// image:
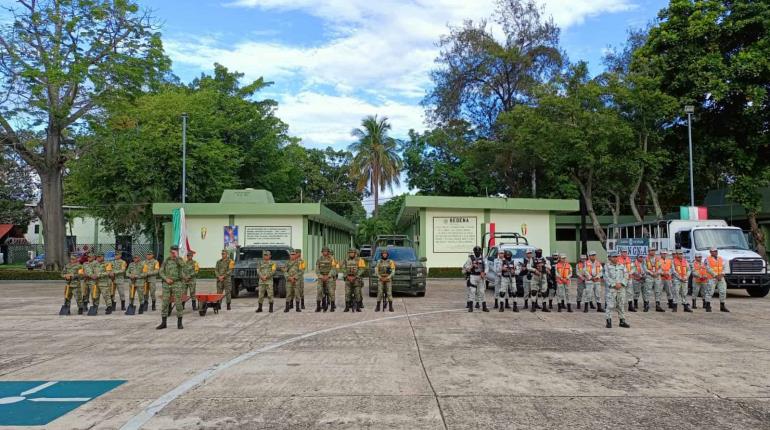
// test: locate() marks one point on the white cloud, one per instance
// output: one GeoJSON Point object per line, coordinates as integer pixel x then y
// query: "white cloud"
{"type": "Point", "coordinates": [384, 49]}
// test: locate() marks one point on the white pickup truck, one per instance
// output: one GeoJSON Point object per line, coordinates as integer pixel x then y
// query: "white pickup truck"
{"type": "Point", "coordinates": [744, 268]}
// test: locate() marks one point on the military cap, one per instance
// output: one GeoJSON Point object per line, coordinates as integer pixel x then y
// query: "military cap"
{"type": "Point", "coordinates": [613, 254]}
{"type": "Point", "coordinates": [583, 256]}
{"type": "Point", "coordinates": [712, 249]}
{"type": "Point", "coordinates": [698, 256]}
{"type": "Point", "coordinates": [592, 253]}
{"type": "Point", "coordinates": [149, 253]}
{"type": "Point", "coordinates": [174, 247]}
{"type": "Point", "coordinates": [267, 253]}
{"type": "Point", "coordinates": [352, 250]}
{"type": "Point", "coordinates": [529, 251]}
{"type": "Point", "coordinates": [562, 255]}
{"type": "Point", "coordinates": [664, 251]}
{"type": "Point", "coordinates": [678, 251]}
{"type": "Point", "coordinates": [298, 251]}
{"type": "Point", "coordinates": [224, 251]}
{"type": "Point", "coordinates": [384, 251]}
{"type": "Point", "coordinates": [191, 252]}
{"type": "Point", "coordinates": [325, 248]}
{"type": "Point", "coordinates": [136, 256]}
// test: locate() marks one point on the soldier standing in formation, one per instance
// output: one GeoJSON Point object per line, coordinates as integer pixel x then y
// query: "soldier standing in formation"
{"type": "Point", "coordinates": [552, 287]}
{"type": "Point", "coordinates": [384, 270]}
{"type": "Point", "coordinates": [136, 277]}
{"type": "Point", "coordinates": [355, 268]}
{"type": "Point", "coordinates": [666, 273]}
{"type": "Point", "coordinates": [476, 268]}
{"type": "Point", "coordinates": [301, 292]}
{"type": "Point", "coordinates": [700, 279]}
{"type": "Point", "coordinates": [625, 260]}
{"type": "Point", "coordinates": [324, 268]}
{"type": "Point", "coordinates": [526, 277]}
{"type": "Point", "coordinates": [266, 271]}
{"type": "Point", "coordinates": [580, 268]}
{"type": "Point", "coordinates": [563, 280]}
{"type": "Point", "coordinates": [223, 270]}
{"type": "Point", "coordinates": [651, 268]}
{"type": "Point", "coordinates": [117, 276]}
{"type": "Point", "coordinates": [87, 281]}
{"type": "Point", "coordinates": [637, 279]}
{"type": "Point", "coordinates": [716, 270]}
{"type": "Point", "coordinates": [72, 273]}
{"type": "Point", "coordinates": [294, 272]}
{"type": "Point", "coordinates": [616, 278]}
{"type": "Point", "coordinates": [538, 286]}
{"type": "Point", "coordinates": [151, 268]}
{"type": "Point", "coordinates": [681, 276]}
{"type": "Point", "coordinates": [506, 274]}
{"type": "Point", "coordinates": [192, 274]}
{"type": "Point", "coordinates": [97, 272]}
{"type": "Point", "coordinates": [593, 278]}
{"type": "Point", "coordinates": [496, 269]}
{"type": "Point", "coordinates": [173, 275]}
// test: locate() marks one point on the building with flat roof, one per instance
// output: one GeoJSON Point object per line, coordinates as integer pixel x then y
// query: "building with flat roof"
{"type": "Point", "coordinates": [252, 217]}
{"type": "Point", "coordinates": [445, 229]}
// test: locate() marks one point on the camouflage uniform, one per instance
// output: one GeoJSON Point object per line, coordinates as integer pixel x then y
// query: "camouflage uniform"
{"type": "Point", "coordinates": [681, 276]}
{"type": "Point", "coordinates": [355, 268]}
{"type": "Point", "coordinates": [581, 280]}
{"type": "Point", "coordinates": [715, 266]}
{"type": "Point", "coordinates": [666, 274]}
{"type": "Point", "coordinates": [224, 267]}
{"type": "Point", "coordinates": [118, 268]}
{"type": "Point", "coordinates": [625, 260]}
{"type": "Point", "coordinates": [384, 270]}
{"type": "Point", "coordinates": [563, 271]}
{"type": "Point", "coordinates": [651, 280]}
{"type": "Point", "coordinates": [173, 268]}
{"type": "Point", "coordinates": [300, 292]}
{"type": "Point", "coordinates": [324, 266]}
{"type": "Point", "coordinates": [151, 268]}
{"type": "Point", "coordinates": [700, 281]}
{"type": "Point", "coordinates": [192, 269]}
{"type": "Point", "coordinates": [476, 267]}
{"type": "Point", "coordinates": [615, 273]}
{"type": "Point", "coordinates": [526, 278]}
{"type": "Point", "coordinates": [538, 285]}
{"type": "Point", "coordinates": [294, 273]}
{"type": "Point", "coordinates": [72, 273]}
{"type": "Point", "coordinates": [100, 285]}
{"type": "Point", "coordinates": [505, 269]}
{"type": "Point", "coordinates": [637, 280]}
{"type": "Point", "coordinates": [593, 274]}
{"type": "Point", "coordinates": [266, 270]}
{"type": "Point", "coordinates": [136, 275]}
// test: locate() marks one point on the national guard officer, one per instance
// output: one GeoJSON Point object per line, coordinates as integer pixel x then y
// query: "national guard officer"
{"type": "Point", "coordinates": [98, 274]}
{"type": "Point", "coordinates": [526, 277]}
{"type": "Point", "coordinates": [553, 260]}
{"type": "Point", "coordinates": [580, 269]}
{"type": "Point", "coordinates": [266, 271]}
{"type": "Point", "coordinates": [223, 270]}
{"type": "Point", "coordinates": [384, 270]}
{"type": "Point", "coordinates": [117, 276]}
{"type": "Point", "coordinates": [593, 276]}
{"type": "Point", "coordinates": [355, 268]}
{"type": "Point", "coordinates": [563, 281]}
{"type": "Point", "coordinates": [616, 278]}
{"type": "Point", "coordinates": [324, 268]}
{"type": "Point", "coordinates": [136, 276]}
{"type": "Point", "coordinates": [637, 279]}
{"type": "Point", "coordinates": [71, 274]}
{"type": "Point", "coordinates": [538, 286]}
{"type": "Point", "coordinates": [476, 267]}
{"type": "Point", "coordinates": [173, 275]}
{"type": "Point", "coordinates": [666, 273]}
{"type": "Point", "coordinates": [625, 260]}
{"type": "Point", "coordinates": [300, 293]}
{"type": "Point", "coordinates": [151, 269]}
{"type": "Point", "coordinates": [681, 277]}
{"type": "Point", "coordinates": [700, 281]}
{"type": "Point", "coordinates": [192, 270]}
{"type": "Point", "coordinates": [506, 273]}
{"type": "Point", "coordinates": [651, 279]}
{"type": "Point", "coordinates": [716, 269]}
{"type": "Point", "coordinates": [293, 274]}
{"type": "Point", "coordinates": [496, 268]}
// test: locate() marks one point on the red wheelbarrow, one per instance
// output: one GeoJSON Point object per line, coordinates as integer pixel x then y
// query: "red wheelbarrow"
{"type": "Point", "coordinates": [205, 301]}
{"type": "Point", "coordinates": [171, 302]}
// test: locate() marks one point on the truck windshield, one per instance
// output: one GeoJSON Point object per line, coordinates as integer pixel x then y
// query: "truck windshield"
{"type": "Point", "coordinates": [721, 238]}
{"type": "Point", "coordinates": [256, 254]}
{"type": "Point", "coordinates": [399, 254]}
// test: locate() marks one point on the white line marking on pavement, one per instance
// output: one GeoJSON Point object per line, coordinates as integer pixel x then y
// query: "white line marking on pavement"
{"type": "Point", "coordinates": [38, 388]}
{"type": "Point", "coordinates": [150, 411]}
{"type": "Point", "coordinates": [60, 399]}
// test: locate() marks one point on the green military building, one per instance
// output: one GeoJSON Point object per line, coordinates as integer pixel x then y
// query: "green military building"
{"type": "Point", "coordinates": [252, 217]}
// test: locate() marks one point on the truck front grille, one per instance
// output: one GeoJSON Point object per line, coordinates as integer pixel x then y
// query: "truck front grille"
{"type": "Point", "coordinates": [746, 265]}
{"type": "Point", "coordinates": [245, 273]}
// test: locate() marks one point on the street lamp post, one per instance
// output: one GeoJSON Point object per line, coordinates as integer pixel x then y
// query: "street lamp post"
{"type": "Point", "coordinates": [184, 157]}
{"type": "Point", "coordinates": [689, 110]}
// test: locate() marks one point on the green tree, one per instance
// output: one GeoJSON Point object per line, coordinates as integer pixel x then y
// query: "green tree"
{"type": "Point", "coordinates": [715, 55]}
{"type": "Point", "coordinates": [59, 60]}
{"type": "Point", "coordinates": [376, 162]}
{"type": "Point", "coordinates": [17, 189]}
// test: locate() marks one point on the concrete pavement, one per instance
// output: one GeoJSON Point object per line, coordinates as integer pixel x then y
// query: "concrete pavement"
{"type": "Point", "coordinates": [428, 365]}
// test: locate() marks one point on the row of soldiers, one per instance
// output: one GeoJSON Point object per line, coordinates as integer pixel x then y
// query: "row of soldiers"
{"type": "Point", "coordinates": [625, 281]}
{"type": "Point", "coordinates": [98, 280]}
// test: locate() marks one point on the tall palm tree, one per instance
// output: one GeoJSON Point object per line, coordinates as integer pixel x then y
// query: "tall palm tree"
{"type": "Point", "coordinates": [376, 162]}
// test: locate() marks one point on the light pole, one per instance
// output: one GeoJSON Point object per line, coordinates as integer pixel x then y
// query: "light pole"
{"type": "Point", "coordinates": [689, 110]}
{"type": "Point", "coordinates": [184, 157]}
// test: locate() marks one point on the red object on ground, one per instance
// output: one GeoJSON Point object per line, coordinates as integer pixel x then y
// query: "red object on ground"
{"type": "Point", "coordinates": [185, 298]}
{"type": "Point", "coordinates": [209, 298]}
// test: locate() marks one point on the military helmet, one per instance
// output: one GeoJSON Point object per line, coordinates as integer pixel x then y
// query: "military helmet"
{"type": "Point", "coordinates": [508, 253]}
{"type": "Point", "coordinates": [174, 247]}
{"type": "Point", "coordinates": [267, 253]}
{"type": "Point", "coordinates": [592, 253]}
{"type": "Point", "coordinates": [583, 256]}
{"type": "Point", "coordinates": [325, 248]}
{"type": "Point", "coordinates": [476, 248]}
{"type": "Point", "coordinates": [352, 250]}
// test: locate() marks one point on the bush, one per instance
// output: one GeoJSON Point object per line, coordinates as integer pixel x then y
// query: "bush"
{"type": "Point", "coordinates": [445, 272]}
{"type": "Point", "coordinates": [28, 275]}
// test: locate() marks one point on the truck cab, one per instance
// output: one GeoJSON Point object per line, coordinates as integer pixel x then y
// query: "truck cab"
{"type": "Point", "coordinates": [411, 273]}
{"type": "Point", "coordinates": [744, 268]}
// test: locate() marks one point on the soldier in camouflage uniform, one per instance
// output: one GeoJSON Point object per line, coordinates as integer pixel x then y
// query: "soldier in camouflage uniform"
{"type": "Point", "coordinates": [637, 279]}
{"type": "Point", "coordinates": [593, 275]}
{"type": "Point", "coordinates": [700, 280]}
{"type": "Point", "coordinates": [87, 283]}
{"type": "Point", "coordinates": [715, 266]}
{"type": "Point", "coordinates": [72, 273]}
{"type": "Point", "coordinates": [616, 279]}
{"type": "Point", "coordinates": [384, 270]}
{"type": "Point", "coordinates": [651, 280]}
{"type": "Point", "coordinates": [192, 274]}
{"type": "Point", "coordinates": [666, 272]}
{"type": "Point", "coordinates": [681, 277]}
{"type": "Point", "coordinates": [97, 272]}
{"type": "Point", "coordinates": [223, 270]}
{"type": "Point", "coordinates": [625, 260]}
{"type": "Point", "coordinates": [135, 274]}
{"type": "Point", "coordinates": [173, 274]}
{"type": "Point", "coordinates": [538, 285]}
{"type": "Point", "coordinates": [266, 271]}
{"type": "Point", "coordinates": [505, 269]}
{"type": "Point", "coordinates": [581, 280]}
{"type": "Point", "coordinates": [117, 276]}
{"type": "Point", "coordinates": [324, 268]}
{"type": "Point", "coordinates": [563, 271]}
{"type": "Point", "coordinates": [151, 268]}
{"type": "Point", "coordinates": [355, 268]}
{"type": "Point", "coordinates": [299, 292]}
{"type": "Point", "coordinates": [294, 272]}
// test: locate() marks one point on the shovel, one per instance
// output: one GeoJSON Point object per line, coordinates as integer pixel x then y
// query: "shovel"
{"type": "Point", "coordinates": [95, 306]}
{"type": "Point", "coordinates": [131, 310]}
{"type": "Point", "coordinates": [65, 308]}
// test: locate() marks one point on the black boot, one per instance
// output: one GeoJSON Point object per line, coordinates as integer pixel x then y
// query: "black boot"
{"type": "Point", "coordinates": [93, 310]}
{"type": "Point", "coordinates": [550, 303]}
{"type": "Point", "coordinates": [259, 308]}
{"type": "Point", "coordinates": [496, 304]}
{"type": "Point", "coordinates": [347, 306]}
{"type": "Point", "coordinates": [354, 308]}
{"type": "Point", "coordinates": [658, 308]}
{"type": "Point", "coordinates": [302, 302]}
{"type": "Point", "coordinates": [80, 310]}
{"type": "Point", "coordinates": [545, 308]}
{"type": "Point", "coordinates": [477, 305]}
{"type": "Point", "coordinates": [624, 324]}
{"type": "Point", "coordinates": [646, 306]}
{"type": "Point", "coordinates": [569, 307]}
{"type": "Point", "coordinates": [286, 309]}
{"type": "Point", "coordinates": [108, 311]}
{"type": "Point", "coordinates": [673, 307]}
{"type": "Point", "coordinates": [558, 306]}
{"type": "Point", "coordinates": [536, 305]}
{"type": "Point", "coordinates": [291, 304]}
{"type": "Point", "coordinates": [533, 308]}
{"type": "Point", "coordinates": [179, 325]}
{"type": "Point", "coordinates": [270, 309]}
{"type": "Point", "coordinates": [194, 305]}
{"type": "Point", "coordinates": [228, 307]}
{"type": "Point", "coordinates": [122, 305]}
{"type": "Point", "coordinates": [515, 307]}
{"type": "Point", "coordinates": [631, 307]}
{"type": "Point", "coordinates": [360, 305]}
{"type": "Point", "coordinates": [484, 307]}
{"type": "Point", "coordinates": [114, 304]}
{"type": "Point", "coordinates": [334, 306]}
{"type": "Point", "coordinates": [599, 307]}
{"type": "Point", "coordinates": [153, 305]}
{"type": "Point", "coordinates": [636, 305]}
{"type": "Point", "coordinates": [162, 324]}
{"type": "Point", "coordinates": [526, 304]}
{"type": "Point", "coordinates": [507, 305]}
{"type": "Point", "coordinates": [723, 308]}
{"type": "Point", "coordinates": [687, 307]}
{"type": "Point", "coordinates": [578, 304]}
{"type": "Point", "coordinates": [141, 308]}
{"type": "Point", "coordinates": [502, 307]}
{"type": "Point", "coordinates": [592, 305]}
{"type": "Point", "coordinates": [318, 306]}
{"type": "Point", "coordinates": [390, 307]}
{"type": "Point", "coordinates": [707, 306]}
{"type": "Point", "coordinates": [377, 308]}
{"type": "Point", "coordinates": [585, 308]}
{"type": "Point", "coordinates": [609, 323]}
{"type": "Point", "coordinates": [297, 306]}
{"type": "Point", "coordinates": [694, 304]}
{"type": "Point", "coordinates": [671, 303]}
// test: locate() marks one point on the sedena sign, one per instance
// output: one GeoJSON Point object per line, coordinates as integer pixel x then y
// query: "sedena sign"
{"type": "Point", "coordinates": [455, 234]}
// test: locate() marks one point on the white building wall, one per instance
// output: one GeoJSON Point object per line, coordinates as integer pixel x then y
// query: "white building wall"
{"type": "Point", "coordinates": [448, 259]}
{"type": "Point", "coordinates": [82, 228]}
{"type": "Point", "coordinates": [538, 229]}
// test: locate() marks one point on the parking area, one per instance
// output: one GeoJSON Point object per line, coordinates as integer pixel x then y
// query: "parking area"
{"type": "Point", "coordinates": [428, 365]}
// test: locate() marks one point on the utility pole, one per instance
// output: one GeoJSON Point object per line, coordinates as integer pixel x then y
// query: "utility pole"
{"type": "Point", "coordinates": [184, 157]}
{"type": "Point", "coordinates": [689, 110]}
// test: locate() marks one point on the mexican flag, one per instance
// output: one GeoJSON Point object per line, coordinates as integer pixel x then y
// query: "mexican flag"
{"type": "Point", "coordinates": [693, 213]}
{"type": "Point", "coordinates": [179, 234]}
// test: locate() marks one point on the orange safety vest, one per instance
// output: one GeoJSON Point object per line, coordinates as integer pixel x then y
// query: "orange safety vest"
{"type": "Point", "coordinates": [563, 271]}
{"type": "Point", "coordinates": [699, 272]}
{"type": "Point", "coordinates": [638, 266]}
{"type": "Point", "coordinates": [665, 266]}
{"type": "Point", "coordinates": [626, 262]}
{"type": "Point", "coordinates": [652, 265]}
{"type": "Point", "coordinates": [593, 268]}
{"type": "Point", "coordinates": [717, 265]}
{"type": "Point", "coordinates": [680, 265]}
{"type": "Point", "coordinates": [579, 268]}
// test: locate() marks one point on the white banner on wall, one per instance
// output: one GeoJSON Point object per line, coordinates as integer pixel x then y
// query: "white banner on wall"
{"type": "Point", "coordinates": [455, 234]}
{"type": "Point", "coordinates": [258, 235]}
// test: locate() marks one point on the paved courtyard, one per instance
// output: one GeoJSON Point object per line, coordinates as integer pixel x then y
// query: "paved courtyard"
{"type": "Point", "coordinates": [428, 365]}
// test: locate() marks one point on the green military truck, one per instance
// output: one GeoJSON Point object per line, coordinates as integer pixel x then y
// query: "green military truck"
{"type": "Point", "coordinates": [411, 273]}
{"type": "Point", "coordinates": [245, 272]}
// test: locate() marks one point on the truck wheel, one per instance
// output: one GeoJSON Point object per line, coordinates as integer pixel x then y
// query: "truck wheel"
{"type": "Point", "coordinates": [236, 289]}
{"type": "Point", "coordinates": [421, 294]}
{"type": "Point", "coordinates": [758, 291]}
{"type": "Point", "coordinates": [279, 289]}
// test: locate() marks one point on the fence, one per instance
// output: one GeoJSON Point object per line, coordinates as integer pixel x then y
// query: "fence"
{"type": "Point", "coordinates": [19, 254]}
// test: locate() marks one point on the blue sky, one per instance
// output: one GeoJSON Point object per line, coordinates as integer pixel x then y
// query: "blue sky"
{"type": "Point", "coordinates": [335, 61]}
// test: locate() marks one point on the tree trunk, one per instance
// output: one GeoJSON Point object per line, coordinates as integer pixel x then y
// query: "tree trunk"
{"type": "Point", "coordinates": [655, 201]}
{"type": "Point", "coordinates": [638, 184]}
{"type": "Point", "coordinates": [586, 191]}
{"type": "Point", "coordinates": [757, 234]}
{"type": "Point", "coordinates": [376, 189]}
{"type": "Point", "coordinates": [51, 215]}
{"type": "Point", "coordinates": [534, 183]}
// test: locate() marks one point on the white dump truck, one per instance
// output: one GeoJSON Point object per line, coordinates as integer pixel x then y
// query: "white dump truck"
{"type": "Point", "coordinates": [744, 268]}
